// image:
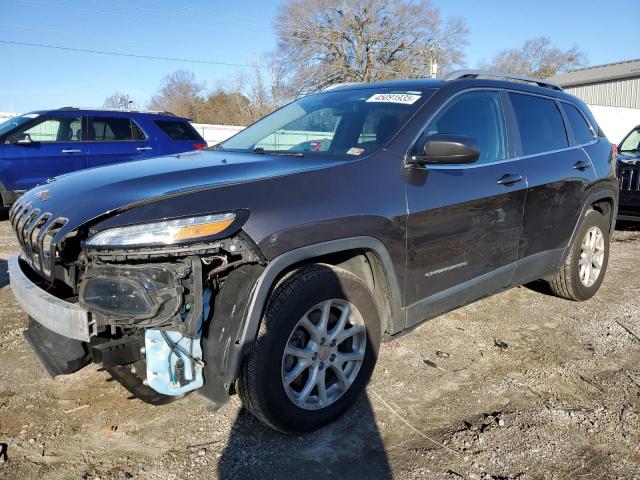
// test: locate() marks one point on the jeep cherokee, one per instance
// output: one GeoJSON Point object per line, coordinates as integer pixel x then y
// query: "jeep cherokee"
{"type": "Point", "coordinates": [274, 264]}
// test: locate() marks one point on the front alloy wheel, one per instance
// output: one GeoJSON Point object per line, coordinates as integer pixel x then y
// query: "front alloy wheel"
{"type": "Point", "coordinates": [315, 350]}
{"type": "Point", "coordinates": [324, 354]}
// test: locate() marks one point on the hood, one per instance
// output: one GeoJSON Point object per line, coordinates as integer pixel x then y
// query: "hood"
{"type": "Point", "coordinates": [629, 157]}
{"type": "Point", "coordinates": [89, 194]}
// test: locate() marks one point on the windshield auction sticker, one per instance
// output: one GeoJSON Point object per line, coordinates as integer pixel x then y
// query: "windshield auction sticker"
{"type": "Point", "coordinates": [404, 98]}
{"type": "Point", "coordinates": [355, 151]}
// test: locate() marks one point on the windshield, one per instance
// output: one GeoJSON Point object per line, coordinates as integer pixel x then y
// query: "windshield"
{"type": "Point", "coordinates": [14, 122]}
{"type": "Point", "coordinates": [344, 123]}
{"type": "Point", "coordinates": [632, 142]}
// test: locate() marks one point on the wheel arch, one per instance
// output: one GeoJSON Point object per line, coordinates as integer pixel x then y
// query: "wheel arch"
{"type": "Point", "coordinates": [605, 202]}
{"type": "Point", "coordinates": [366, 257]}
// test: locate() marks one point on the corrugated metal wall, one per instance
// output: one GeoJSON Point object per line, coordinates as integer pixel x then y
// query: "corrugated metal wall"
{"type": "Point", "coordinates": [619, 93]}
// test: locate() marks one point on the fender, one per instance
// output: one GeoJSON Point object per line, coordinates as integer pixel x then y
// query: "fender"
{"type": "Point", "coordinates": [238, 309]}
{"type": "Point", "coordinates": [591, 199]}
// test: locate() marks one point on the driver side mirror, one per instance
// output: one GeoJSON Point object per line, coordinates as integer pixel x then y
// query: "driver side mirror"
{"type": "Point", "coordinates": [21, 139]}
{"type": "Point", "coordinates": [445, 148]}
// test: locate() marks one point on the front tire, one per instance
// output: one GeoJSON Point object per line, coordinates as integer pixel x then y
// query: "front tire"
{"type": "Point", "coordinates": [583, 271]}
{"type": "Point", "coordinates": [315, 351]}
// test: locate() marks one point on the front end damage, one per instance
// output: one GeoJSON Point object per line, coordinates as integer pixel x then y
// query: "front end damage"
{"type": "Point", "coordinates": [162, 320]}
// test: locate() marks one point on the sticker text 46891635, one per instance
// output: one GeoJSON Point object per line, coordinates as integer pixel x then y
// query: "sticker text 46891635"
{"type": "Point", "coordinates": [404, 98]}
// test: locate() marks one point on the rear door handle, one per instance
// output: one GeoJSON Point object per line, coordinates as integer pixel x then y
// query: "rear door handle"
{"type": "Point", "coordinates": [509, 179]}
{"type": "Point", "coordinates": [71, 150]}
{"type": "Point", "coordinates": [144, 149]}
{"type": "Point", "coordinates": [581, 165]}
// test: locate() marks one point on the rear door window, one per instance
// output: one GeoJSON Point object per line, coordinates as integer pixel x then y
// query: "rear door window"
{"type": "Point", "coordinates": [56, 129]}
{"type": "Point", "coordinates": [540, 123]}
{"type": "Point", "coordinates": [582, 131]}
{"type": "Point", "coordinates": [114, 129]}
{"type": "Point", "coordinates": [178, 130]}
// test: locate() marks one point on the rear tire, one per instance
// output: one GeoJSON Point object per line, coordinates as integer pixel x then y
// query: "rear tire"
{"type": "Point", "coordinates": [583, 271]}
{"type": "Point", "coordinates": [335, 366]}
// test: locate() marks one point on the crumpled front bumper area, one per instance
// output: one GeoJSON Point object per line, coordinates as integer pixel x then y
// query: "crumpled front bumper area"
{"type": "Point", "coordinates": [58, 330]}
{"type": "Point", "coordinates": [65, 318]}
{"type": "Point", "coordinates": [59, 355]}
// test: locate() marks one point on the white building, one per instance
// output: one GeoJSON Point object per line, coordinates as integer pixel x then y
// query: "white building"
{"type": "Point", "coordinates": [612, 91]}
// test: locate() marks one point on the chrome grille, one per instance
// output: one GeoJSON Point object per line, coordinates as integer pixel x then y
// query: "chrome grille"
{"type": "Point", "coordinates": [36, 232]}
{"type": "Point", "coordinates": [629, 177]}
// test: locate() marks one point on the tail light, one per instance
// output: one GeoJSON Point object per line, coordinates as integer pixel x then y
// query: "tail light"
{"type": "Point", "coordinates": [199, 146]}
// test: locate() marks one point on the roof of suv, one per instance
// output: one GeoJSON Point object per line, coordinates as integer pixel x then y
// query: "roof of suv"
{"type": "Point", "coordinates": [468, 78]}
{"type": "Point", "coordinates": [111, 111]}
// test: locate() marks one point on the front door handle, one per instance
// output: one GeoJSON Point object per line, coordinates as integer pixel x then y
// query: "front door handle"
{"type": "Point", "coordinates": [581, 165]}
{"type": "Point", "coordinates": [509, 179]}
{"type": "Point", "coordinates": [144, 149]}
{"type": "Point", "coordinates": [71, 150]}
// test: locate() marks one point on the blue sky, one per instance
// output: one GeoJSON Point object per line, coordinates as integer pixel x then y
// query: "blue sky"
{"type": "Point", "coordinates": [235, 32]}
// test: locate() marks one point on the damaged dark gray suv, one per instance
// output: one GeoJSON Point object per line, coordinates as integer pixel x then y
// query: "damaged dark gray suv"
{"type": "Point", "coordinates": [274, 264]}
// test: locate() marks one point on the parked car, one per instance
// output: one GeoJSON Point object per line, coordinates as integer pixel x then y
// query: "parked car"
{"type": "Point", "coordinates": [40, 145]}
{"type": "Point", "coordinates": [629, 176]}
{"type": "Point", "coordinates": [276, 273]}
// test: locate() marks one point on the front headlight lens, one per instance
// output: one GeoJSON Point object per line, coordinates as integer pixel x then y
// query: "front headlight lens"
{"type": "Point", "coordinates": [167, 232]}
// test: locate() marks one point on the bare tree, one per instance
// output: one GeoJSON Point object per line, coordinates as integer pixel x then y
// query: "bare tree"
{"type": "Point", "coordinates": [117, 100]}
{"type": "Point", "coordinates": [179, 93]}
{"type": "Point", "coordinates": [225, 108]}
{"type": "Point", "coordinates": [248, 96]}
{"type": "Point", "coordinates": [329, 41]}
{"type": "Point", "coordinates": [537, 57]}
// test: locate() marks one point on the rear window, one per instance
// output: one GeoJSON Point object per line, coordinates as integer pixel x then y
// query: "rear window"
{"type": "Point", "coordinates": [540, 123]}
{"type": "Point", "coordinates": [581, 129]}
{"type": "Point", "coordinates": [178, 130]}
{"type": "Point", "coordinates": [114, 129]}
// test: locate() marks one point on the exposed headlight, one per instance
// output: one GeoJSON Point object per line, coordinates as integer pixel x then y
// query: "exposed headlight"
{"type": "Point", "coordinates": [167, 232]}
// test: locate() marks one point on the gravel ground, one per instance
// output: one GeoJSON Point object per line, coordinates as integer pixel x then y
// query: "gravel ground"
{"type": "Point", "coordinates": [521, 385]}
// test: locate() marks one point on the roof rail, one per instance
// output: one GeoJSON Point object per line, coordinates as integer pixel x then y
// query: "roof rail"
{"type": "Point", "coordinates": [106, 109]}
{"type": "Point", "coordinates": [459, 74]}
{"type": "Point", "coordinates": [342, 84]}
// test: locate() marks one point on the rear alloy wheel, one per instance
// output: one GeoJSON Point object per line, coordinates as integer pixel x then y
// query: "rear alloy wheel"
{"type": "Point", "coordinates": [583, 271]}
{"type": "Point", "coordinates": [315, 351]}
{"type": "Point", "coordinates": [591, 256]}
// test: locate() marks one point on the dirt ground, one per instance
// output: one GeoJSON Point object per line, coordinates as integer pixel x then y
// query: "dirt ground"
{"type": "Point", "coordinates": [521, 385]}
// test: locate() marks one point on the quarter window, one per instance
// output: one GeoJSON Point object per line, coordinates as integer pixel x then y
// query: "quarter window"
{"type": "Point", "coordinates": [581, 129]}
{"type": "Point", "coordinates": [114, 129]}
{"type": "Point", "coordinates": [540, 124]}
{"type": "Point", "coordinates": [178, 130]}
{"type": "Point", "coordinates": [62, 129]}
{"type": "Point", "coordinates": [477, 115]}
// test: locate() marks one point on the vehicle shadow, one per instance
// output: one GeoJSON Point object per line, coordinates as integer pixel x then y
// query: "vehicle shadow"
{"type": "Point", "coordinates": [4, 273]}
{"type": "Point", "coordinates": [540, 286]}
{"type": "Point", "coordinates": [624, 226]}
{"type": "Point", "coordinates": [349, 448]}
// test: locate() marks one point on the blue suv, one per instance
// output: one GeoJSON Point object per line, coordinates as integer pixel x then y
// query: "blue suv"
{"type": "Point", "coordinates": [43, 144]}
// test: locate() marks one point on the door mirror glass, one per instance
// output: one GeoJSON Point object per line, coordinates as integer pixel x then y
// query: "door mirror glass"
{"type": "Point", "coordinates": [447, 148]}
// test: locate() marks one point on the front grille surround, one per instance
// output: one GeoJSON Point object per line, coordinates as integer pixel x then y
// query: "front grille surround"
{"type": "Point", "coordinates": [629, 177]}
{"type": "Point", "coordinates": [37, 233]}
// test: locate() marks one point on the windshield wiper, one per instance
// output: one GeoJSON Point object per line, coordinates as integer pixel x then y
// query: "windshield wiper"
{"type": "Point", "coordinates": [284, 153]}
